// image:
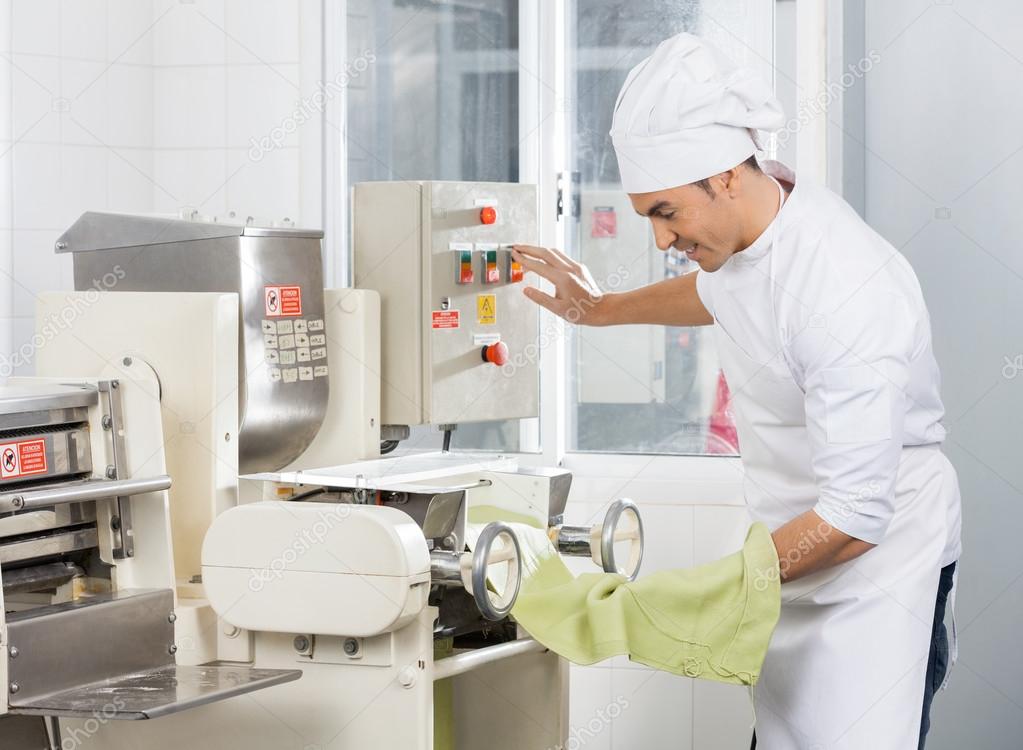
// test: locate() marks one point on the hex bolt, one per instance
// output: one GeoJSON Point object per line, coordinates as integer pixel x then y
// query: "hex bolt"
{"type": "Point", "coordinates": [114, 384]}
{"type": "Point", "coordinates": [172, 617]}
{"type": "Point", "coordinates": [115, 523]}
{"type": "Point", "coordinates": [111, 472]}
{"type": "Point", "coordinates": [301, 643]}
{"type": "Point", "coordinates": [107, 422]}
{"type": "Point", "coordinates": [351, 646]}
{"type": "Point", "coordinates": [61, 245]}
{"type": "Point", "coordinates": [15, 687]}
{"type": "Point", "coordinates": [17, 501]}
{"type": "Point", "coordinates": [13, 651]}
{"type": "Point", "coordinates": [172, 649]}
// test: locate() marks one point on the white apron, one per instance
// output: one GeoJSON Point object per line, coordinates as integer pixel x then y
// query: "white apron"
{"type": "Point", "coordinates": [845, 667]}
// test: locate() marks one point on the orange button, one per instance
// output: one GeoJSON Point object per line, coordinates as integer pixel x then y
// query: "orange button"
{"type": "Point", "coordinates": [496, 354]}
{"type": "Point", "coordinates": [488, 215]}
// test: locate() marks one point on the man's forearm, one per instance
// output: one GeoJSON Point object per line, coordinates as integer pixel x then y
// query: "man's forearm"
{"type": "Point", "coordinates": [807, 544]}
{"type": "Point", "coordinates": [672, 302]}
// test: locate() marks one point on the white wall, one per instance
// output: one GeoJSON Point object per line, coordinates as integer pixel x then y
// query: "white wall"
{"type": "Point", "coordinates": [76, 136]}
{"type": "Point", "coordinates": [944, 155]}
{"type": "Point", "coordinates": [143, 106]}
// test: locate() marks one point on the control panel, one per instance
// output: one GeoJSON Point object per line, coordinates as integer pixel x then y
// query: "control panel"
{"type": "Point", "coordinates": [459, 338]}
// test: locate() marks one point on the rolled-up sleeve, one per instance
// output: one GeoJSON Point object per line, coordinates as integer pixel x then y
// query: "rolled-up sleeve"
{"type": "Point", "coordinates": [856, 365]}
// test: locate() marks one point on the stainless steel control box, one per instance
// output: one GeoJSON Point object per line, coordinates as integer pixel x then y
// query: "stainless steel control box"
{"type": "Point", "coordinates": [439, 255]}
{"type": "Point", "coordinates": [277, 274]}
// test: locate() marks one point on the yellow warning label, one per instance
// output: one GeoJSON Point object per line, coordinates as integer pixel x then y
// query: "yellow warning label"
{"type": "Point", "coordinates": [486, 309]}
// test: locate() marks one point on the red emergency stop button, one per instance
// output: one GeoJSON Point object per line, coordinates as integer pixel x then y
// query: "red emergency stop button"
{"type": "Point", "coordinates": [496, 354]}
{"type": "Point", "coordinates": [488, 215]}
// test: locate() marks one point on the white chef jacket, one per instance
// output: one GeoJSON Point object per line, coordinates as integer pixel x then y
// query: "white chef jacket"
{"type": "Point", "coordinates": [824, 299]}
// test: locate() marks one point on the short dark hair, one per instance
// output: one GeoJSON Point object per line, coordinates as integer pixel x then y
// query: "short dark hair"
{"type": "Point", "coordinates": [750, 163]}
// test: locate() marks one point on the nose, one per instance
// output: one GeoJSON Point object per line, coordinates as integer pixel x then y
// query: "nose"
{"type": "Point", "coordinates": [663, 237]}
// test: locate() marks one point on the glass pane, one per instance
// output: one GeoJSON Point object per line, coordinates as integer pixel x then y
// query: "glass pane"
{"type": "Point", "coordinates": [648, 389]}
{"type": "Point", "coordinates": [439, 102]}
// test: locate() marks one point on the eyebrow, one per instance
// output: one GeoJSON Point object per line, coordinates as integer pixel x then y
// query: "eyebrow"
{"type": "Point", "coordinates": [654, 208]}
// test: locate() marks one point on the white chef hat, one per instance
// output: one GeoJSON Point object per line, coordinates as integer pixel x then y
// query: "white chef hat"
{"type": "Point", "coordinates": [686, 113]}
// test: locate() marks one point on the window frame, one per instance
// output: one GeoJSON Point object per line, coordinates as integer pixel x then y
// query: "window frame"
{"type": "Point", "coordinates": [544, 108]}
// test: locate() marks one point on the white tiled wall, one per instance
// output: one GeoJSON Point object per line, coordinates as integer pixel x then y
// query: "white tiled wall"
{"type": "Point", "coordinates": [142, 106]}
{"type": "Point", "coordinates": [227, 74]}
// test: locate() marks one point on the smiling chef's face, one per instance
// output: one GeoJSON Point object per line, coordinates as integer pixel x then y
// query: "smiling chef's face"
{"type": "Point", "coordinates": [703, 222]}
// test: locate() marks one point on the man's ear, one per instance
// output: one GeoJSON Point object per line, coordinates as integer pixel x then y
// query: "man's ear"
{"type": "Point", "coordinates": [730, 182]}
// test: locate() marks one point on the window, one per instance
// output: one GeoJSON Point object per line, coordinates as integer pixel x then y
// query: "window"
{"type": "Point", "coordinates": [439, 102]}
{"type": "Point", "coordinates": [644, 389]}
{"type": "Point", "coordinates": [449, 97]}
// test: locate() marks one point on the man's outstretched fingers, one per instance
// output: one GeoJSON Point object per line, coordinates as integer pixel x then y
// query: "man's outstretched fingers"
{"type": "Point", "coordinates": [542, 299]}
{"type": "Point", "coordinates": [550, 257]}
{"type": "Point", "coordinates": [546, 270]}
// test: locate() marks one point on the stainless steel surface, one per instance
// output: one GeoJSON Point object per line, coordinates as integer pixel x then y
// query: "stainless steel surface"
{"type": "Point", "coordinates": [66, 646]}
{"type": "Point", "coordinates": [124, 536]}
{"type": "Point", "coordinates": [470, 660]}
{"type": "Point", "coordinates": [38, 577]}
{"type": "Point", "coordinates": [47, 519]}
{"type": "Point", "coordinates": [100, 231]}
{"type": "Point", "coordinates": [49, 545]}
{"type": "Point", "coordinates": [278, 416]}
{"type": "Point", "coordinates": [446, 567]}
{"type": "Point", "coordinates": [16, 400]}
{"type": "Point", "coordinates": [574, 541]}
{"type": "Point", "coordinates": [157, 692]}
{"type": "Point", "coordinates": [609, 535]}
{"type": "Point", "coordinates": [481, 559]}
{"type": "Point", "coordinates": [402, 241]}
{"type": "Point", "coordinates": [87, 489]}
{"type": "Point", "coordinates": [67, 452]}
{"type": "Point", "coordinates": [559, 484]}
{"type": "Point", "coordinates": [409, 473]}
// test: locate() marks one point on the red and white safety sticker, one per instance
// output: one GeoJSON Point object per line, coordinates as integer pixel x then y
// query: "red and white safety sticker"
{"type": "Point", "coordinates": [282, 300]}
{"type": "Point", "coordinates": [445, 318]}
{"type": "Point", "coordinates": [23, 459]}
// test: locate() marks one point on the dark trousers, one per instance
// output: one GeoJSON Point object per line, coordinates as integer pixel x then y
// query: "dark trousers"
{"type": "Point", "coordinates": [937, 660]}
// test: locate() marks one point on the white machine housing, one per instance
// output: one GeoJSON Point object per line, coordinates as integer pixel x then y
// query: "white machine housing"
{"type": "Point", "coordinates": [338, 554]}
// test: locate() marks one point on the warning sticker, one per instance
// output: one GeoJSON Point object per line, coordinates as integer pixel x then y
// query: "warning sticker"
{"type": "Point", "coordinates": [486, 309]}
{"type": "Point", "coordinates": [23, 459]}
{"type": "Point", "coordinates": [282, 300]}
{"type": "Point", "coordinates": [445, 318]}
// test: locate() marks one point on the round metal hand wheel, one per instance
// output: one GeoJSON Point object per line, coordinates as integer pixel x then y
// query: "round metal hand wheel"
{"type": "Point", "coordinates": [622, 523]}
{"type": "Point", "coordinates": [495, 605]}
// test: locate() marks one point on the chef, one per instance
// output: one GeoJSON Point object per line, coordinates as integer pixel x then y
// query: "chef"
{"type": "Point", "coordinates": [824, 340]}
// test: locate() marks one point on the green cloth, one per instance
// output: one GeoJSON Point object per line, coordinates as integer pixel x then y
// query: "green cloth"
{"type": "Point", "coordinates": [443, 701]}
{"type": "Point", "coordinates": [713, 622]}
